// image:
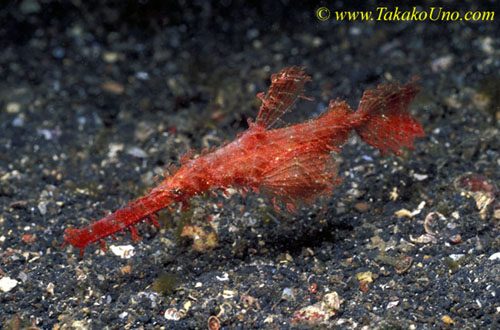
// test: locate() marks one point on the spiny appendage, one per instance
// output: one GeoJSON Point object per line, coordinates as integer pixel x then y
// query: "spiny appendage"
{"type": "Point", "coordinates": [286, 86]}
{"type": "Point", "coordinates": [301, 177]}
{"type": "Point", "coordinates": [143, 209]}
{"type": "Point", "coordinates": [387, 123]}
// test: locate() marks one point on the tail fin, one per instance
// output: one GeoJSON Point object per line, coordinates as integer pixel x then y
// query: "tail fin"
{"type": "Point", "coordinates": [387, 124]}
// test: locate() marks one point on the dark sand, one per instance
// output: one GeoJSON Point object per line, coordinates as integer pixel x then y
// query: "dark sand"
{"type": "Point", "coordinates": [98, 99]}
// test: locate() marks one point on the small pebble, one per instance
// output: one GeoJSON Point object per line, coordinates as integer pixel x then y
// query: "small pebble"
{"type": "Point", "coordinates": [442, 63]}
{"type": "Point", "coordinates": [113, 87]}
{"type": "Point", "coordinates": [287, 294]}
{"type": "Point", "coordinates": [362, 207]}
{"type": "Point", "coordinates": [13, 107]}
{"type": "Point", "coordinates": [18, 121]}
{"type": "Point", "coordinates": [448, 320]}
{"type": "Point", "coordinates": [29, 7]}
{"type": "Point", "coordinates": [110, 57]}
{"type": "Point", "coordinates": [42, 207]}
{"type": "Point", "coordinates": [456, 257]}
{"type": "Point", "coordinates": [141, 75]}
{"type": "Point", "coordinates": [456, 239]}
{"type": "Point", "coordinates": [137, 152]}
{"type": "Point", "coordinates": [58, 52]}
{"type": "Point", "coordinates": [23, 277]}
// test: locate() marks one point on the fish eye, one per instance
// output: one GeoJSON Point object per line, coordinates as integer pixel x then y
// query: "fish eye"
{"type": "Point", "coordinates": [177, 191]}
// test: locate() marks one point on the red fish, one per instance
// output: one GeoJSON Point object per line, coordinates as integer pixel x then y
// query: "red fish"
{"type": "Point", "coordinates": [292, 165]}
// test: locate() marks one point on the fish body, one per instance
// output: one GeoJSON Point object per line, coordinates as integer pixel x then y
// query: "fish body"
{"type": "Point", "coordinates": [292, 164]}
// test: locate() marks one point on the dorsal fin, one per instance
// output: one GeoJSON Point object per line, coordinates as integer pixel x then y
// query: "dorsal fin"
{"type": "Point", "coordinates": [286, 86]}
{"type": "Point", "coordinates": [187, 157]}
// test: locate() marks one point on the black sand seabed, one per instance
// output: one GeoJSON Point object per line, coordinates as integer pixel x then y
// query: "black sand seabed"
{"type": "Point", "coordinates": [98, 99]}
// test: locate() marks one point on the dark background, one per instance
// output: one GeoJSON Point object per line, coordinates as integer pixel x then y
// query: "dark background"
{"type": "Point", "coordinates": [98, 98]}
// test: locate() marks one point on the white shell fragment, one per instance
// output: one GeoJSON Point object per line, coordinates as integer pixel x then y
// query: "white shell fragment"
{"type": "Point", "coordinates": [114, 148]}
{"type": "Point", "coordinates": [223, 278]}
{"type": "Point", "coordinates": [423, 239]}
{"type": "Point", "coordinates": [456, 257]}
{"type": "Point", "coordinates": [137, 152]}
{"type": "Point", "coordinates": [406, 213]}
{"type": "Point", "coordinates": [392, 304]}
{"type": "Point", "coordinates": [173, 314]}
{"type": "Point", "coordinates": [320, 312]}
{"type": "Point", "coordinates": [7, 284]}
{"type": "Point", "coordinates": [228, 294]}
{"type": "Point", "coordinates": [420, 177]}
{"type": "Point", "coordinates": [50, 288]}
{"type": "Point", "coordinates": [494, 256]}
{"type": "Point", "coordinates": [123, 251]}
